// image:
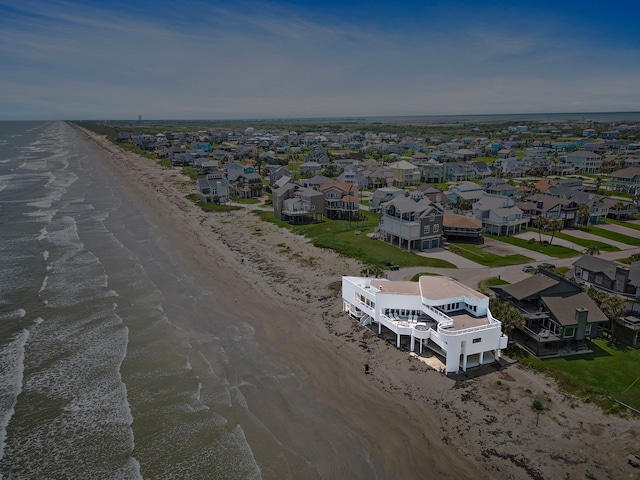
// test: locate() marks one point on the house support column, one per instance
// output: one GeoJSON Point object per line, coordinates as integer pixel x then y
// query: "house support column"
{"type": "Point", "coordinates": [413, 343]}
{"type": "Point", "coordinates": [464, 362]}
{"type": "Point", "coordinates": [481, 358]}
{"type": "Point", "coordinates": [379, 328]}
{"type": "Point", "coordinates": [397, 340]}
{"type": "Point", "coordinates": [421, 346]}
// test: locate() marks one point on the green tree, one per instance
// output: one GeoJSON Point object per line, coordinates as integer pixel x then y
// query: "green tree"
{"type": "Point", "coordinates": [510, 316]}
{"type": "Point", "coordinates": [598, 183]}
{"type": "Point", "coordinates": [371, 270]}
{"type": "Point", "coordinates": [613, 307]}
{"type": "Point", "coordinates": [554, 226]}
{"type": "Point", "coordinates": [618, 207]}
{"type": "Point", "coordinates": [540, 222]}
{"type": "Point", "coordinates": [584, 213]}
{"type": "Point", "coordinates": [463, 204]}
{"type": "Point", "coordinates": [592, 250]}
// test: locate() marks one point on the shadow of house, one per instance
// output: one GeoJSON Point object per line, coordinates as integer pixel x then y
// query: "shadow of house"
{"type": "Point", "coordinates": [560, 318]}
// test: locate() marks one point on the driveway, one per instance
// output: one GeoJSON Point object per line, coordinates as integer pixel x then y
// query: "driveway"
{"type": "Point", "coordinates": [470, 273]}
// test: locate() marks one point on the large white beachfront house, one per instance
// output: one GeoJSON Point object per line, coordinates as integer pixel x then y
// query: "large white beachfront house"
{"type": "Point", "coordinates": [440, 313]}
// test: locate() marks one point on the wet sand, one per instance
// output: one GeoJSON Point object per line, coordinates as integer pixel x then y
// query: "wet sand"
{"type": "Point", "coordinates": [416, 422]}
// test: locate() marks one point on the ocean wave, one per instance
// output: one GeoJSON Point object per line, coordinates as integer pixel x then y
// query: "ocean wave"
{"type": "Point", "coordinates": [11, 379]}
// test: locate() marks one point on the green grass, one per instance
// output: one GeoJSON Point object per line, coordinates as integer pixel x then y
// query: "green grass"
{"type": "Point", "coordinates": [561, 270]}
{"type": "Point", "coordinates": [493, 281]}
{"type": "Point", "coordinates": [477, 253]}
{"type": "Point", "coordinates": [622, 223]}
{"type": "Point", "coordinates": [192, 173]}
{"type": "Point", "coordinates": [610, 370]}
{"type": "Point", "coordinates": [249, 201]}
{"type": "Point", "coordinates": [417, 276]}
{"type": "Point", "coordinates": [615, 236]}
{"type": "Point", "coordinates": [351, 240]}
{"type": "Point", "coordinates": [603, 247]}
{"type": "Point", "coordinates": [483, 285]}
{"type": "Point", "coordinates": [485, 159]}
{"type": "Point", "coordinates": [211, 207]}
{"type": "Point", "coordinates": [555, 251]}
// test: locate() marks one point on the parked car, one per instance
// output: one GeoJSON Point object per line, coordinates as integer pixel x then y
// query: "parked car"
{"type": "Point", "coordinates": [548, 266]}
{"type": "Point", "coordinates": [528, 268]}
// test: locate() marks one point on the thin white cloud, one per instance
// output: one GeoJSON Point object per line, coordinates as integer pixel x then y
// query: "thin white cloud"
{"type": "Point", "coordinates": [74, 59]}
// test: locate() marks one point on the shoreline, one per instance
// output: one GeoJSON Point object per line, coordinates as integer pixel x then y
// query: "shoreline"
{"type": "Point", "coordinates": [416, 421]}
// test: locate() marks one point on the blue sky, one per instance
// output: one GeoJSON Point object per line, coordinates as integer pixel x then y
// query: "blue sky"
{"type": "Point", "coordinates": [189, 59]}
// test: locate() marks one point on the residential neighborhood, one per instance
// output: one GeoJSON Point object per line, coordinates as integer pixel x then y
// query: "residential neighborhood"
{"type": "Point", "coordinates": [537, 186]}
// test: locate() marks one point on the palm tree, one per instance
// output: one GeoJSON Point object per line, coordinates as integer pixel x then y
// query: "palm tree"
{"type": "Point", "coordinates": [555, 226]}
{"type": "Point", "coordinates": [618, 207]}
{"type": "Point", "coordinates": [592, 250]}
{"type": "Point", "coordinates": [584, 213]}
{"type": "Point", "coordinates": [463, 204]}
{"type": "Point", "coordinates": [540, 222]}
{"type": "Point", "coordinates": [371, 270]}
{"type": "Point", "coordinates": [510, 317]}
{"type": "Point", "coordinates": [598, 183]}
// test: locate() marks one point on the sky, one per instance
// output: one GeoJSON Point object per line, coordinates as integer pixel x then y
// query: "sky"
{"type": "Point", "coordinates": [192, 59]}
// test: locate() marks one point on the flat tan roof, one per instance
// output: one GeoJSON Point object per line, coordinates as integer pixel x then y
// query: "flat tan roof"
{"type": "Point", "coordinates": [398, 288]}
{"type": "Point", "coordinates": [462, 321]}
{"type": "Point", "coordinates": [439, 288]}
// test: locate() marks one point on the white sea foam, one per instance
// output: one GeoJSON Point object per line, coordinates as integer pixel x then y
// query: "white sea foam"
{"type": "Point", "coordinates": [44, 284]}
{"type": "Point", "coordinates": [11, 377]}
{"type": "Point", "coordinates": [14, 314]}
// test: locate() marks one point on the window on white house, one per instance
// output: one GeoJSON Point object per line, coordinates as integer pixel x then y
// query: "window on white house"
{"type": "Point", "coordinates": [569, 332]}
{"type": "Point", "coordinates": [436, 228]}
{"type": "Point", "coordinates": [477, 340]}
{"type": "Point", "coordinates": [427, 229]}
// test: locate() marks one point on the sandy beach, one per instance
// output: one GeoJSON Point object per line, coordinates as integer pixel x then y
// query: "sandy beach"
{"type": "Point", "coordinates": [418, 423]}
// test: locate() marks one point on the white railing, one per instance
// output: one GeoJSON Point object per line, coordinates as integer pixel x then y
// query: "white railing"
{"type": "Point", "coordinates": [492, 319]}
{"type": "Point", "coordinates": [467, 330]}
{"type": "Point", "coordinates": [445, 319]}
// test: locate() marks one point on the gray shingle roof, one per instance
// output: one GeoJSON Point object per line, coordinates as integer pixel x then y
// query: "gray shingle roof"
{"type": "Point", "coordinates": [530, 287]}
{"type": "Point", "coordinates": [563, 309]}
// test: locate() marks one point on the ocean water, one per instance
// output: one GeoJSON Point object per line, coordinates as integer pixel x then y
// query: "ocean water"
{"type": "Point", "coordinates": [101, 373]}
